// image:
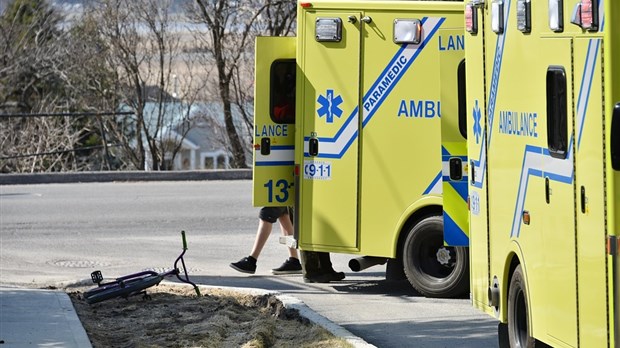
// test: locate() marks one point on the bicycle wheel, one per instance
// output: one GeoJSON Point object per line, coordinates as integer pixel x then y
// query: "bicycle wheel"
{"type": "Point", "coordinates": [129, 287]}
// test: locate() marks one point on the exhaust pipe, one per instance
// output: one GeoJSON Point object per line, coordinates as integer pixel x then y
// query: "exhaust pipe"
{"type": "Point", "coordinates": [361, 263]}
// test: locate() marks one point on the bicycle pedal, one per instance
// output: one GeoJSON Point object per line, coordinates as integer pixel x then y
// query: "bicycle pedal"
{"type": "Point", "coordinates": [97, 277]}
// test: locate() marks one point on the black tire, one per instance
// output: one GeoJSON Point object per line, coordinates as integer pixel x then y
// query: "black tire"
{"type": "Point", "coordinates": [502, 335]}
{"type": "Point", "coordinates": [130, 287]}
{"type": "Point", "coordinates": [423, 269]}
{"type": "Point", "coordinates": [518, 312]}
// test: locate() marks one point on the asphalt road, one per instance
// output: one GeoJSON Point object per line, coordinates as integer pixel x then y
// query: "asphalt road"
{"type": "Point", "coordinates": [55, 234]}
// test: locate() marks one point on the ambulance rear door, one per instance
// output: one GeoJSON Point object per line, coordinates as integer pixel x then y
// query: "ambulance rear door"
{"type": "Point", "coordinates": [330, 47]}
{"type": "Point", "coordinates": [274, 121]}
{"type": "Point", "coordinates": [453, 138]}
{"type": "Point", "coordinates": [475, 66]}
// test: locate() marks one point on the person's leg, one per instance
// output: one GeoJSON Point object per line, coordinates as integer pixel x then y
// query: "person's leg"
{"type": "Point", "coordinates": [325, 263]}
{"type": "Point", "coordinates": [286, 225]}
{"type": "Point", "coordinates": [325, 273]}
{"type": "Point", "coordinates": [267, 217]}
{"type": "Point", "coordinates": [262, 234]}
{"type": "Point", "coordinates": [292, 264]}
{"type": "Point", "coordinates": [310, 263]}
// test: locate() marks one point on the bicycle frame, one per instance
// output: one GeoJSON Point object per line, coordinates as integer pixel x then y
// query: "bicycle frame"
{"type": "Point", "coordinates": [136, 283]}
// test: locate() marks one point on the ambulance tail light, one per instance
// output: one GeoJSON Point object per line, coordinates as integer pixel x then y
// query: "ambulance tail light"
{"type": "Point", "coordinates": [585, 15]}
{"type": "Point", "coordinates": [296, 170]}
{"type": "Point", "coordinates": [305, 4]}
{"type": "Point", "coordinates": [471, 19]}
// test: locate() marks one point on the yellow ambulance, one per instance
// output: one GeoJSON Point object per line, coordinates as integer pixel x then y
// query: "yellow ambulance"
{"type": "Point", "coordinates": [376, 86]}
{"type": "Point", "coordinates": [543, 103]}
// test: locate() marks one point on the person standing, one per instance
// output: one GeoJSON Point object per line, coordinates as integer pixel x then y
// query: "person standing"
{"type": "Point", "coordinates": [267, 217]}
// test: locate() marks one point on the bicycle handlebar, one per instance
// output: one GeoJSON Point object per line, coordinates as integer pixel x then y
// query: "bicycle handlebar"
{"type": "Point", "coordinates": [184, 241]}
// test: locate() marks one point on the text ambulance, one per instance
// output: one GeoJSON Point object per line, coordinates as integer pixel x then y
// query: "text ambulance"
{"type": "Point", "coordinates": [360, 155]}
{"type": "Point", "coordinates": [543, 98]}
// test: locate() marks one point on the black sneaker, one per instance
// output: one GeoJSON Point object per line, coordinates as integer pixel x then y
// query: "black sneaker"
{"type": "Point", "coordinates": [324, 277]}
{"type": "Point", "coordinates": [290, 266]}
{"type": "Point", "coordinates": [245, 265]}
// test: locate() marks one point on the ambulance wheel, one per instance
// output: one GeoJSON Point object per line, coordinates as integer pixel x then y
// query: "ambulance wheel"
{"type": "Point", "coordinates": [518, 317]}
{"type": "Point", "coordinates": [433, 269]}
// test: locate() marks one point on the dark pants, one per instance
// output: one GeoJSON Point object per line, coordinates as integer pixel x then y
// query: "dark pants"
{"type": "Point", "coordinates": [315, 263]}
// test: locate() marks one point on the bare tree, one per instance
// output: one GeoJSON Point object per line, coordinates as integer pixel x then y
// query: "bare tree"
{"type": "Point", "coordinates": [126, 53]}
{"type": "Point", "coordinates": [228, 45]}
{"type": "Point", "coordinates": [278, 18]}
{"type": "Point", "coordinates": [35, 76]}
{"type": "Point", "coordinates": [229, 25]}
{"type": "Point", "coordinates": [143, 47]}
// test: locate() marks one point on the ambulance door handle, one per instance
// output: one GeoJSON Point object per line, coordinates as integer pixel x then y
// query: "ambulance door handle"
{"type": "Point", "coordinates": [265, 146]}
{"type": "Point", "coordinates": [583, 200]}
{"type": "Point", "coordinates": [313, 146]}
{"type": "Point", "coordinates": [547, 198]}
{"type": "Point", "coordinates": [456, 169]}
{"type": "Point", "coordinates": [366, 19]}
{"type": "Point", "coordinates": [352, 19]}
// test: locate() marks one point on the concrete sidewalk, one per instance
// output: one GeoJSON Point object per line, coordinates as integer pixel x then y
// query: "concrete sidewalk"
{"type": "Point", "coordinates": [39, 318]}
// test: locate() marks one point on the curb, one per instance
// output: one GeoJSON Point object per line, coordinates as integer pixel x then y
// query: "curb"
{"type": "Point", "coordinates": [63, 178]}
{"type": "Point", "coordinates": [71, 317]}
{"type": "Point", "coordinates": [334, 329]}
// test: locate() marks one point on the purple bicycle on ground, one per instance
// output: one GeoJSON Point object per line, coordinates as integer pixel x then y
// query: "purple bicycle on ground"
{"type": "Point", "coordinates": [137, 283]}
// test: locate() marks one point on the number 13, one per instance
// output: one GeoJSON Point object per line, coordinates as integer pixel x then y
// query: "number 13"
{"type": "Point", "coordinates": [281, 188]}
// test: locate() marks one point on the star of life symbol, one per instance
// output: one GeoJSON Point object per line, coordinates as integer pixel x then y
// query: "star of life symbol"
{"type": "Point", "coordinates": [329, 105]}
{"type": "Point", "coordinates": [477, 127]}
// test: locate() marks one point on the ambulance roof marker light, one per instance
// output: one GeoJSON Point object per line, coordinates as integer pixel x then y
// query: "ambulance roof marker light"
{"type": "Point", "coordinates": [305, 4]}
{"type": "Point", "coordinates": [524, 16]}
{"type": "Point", "coordinates": [471, 18]}
{"type": "Point", "coordinates": [497, 16]}
{"type": "Point", "coordinates": [407, 31]}
{"type": "Point", "coordinates": [556, 15]}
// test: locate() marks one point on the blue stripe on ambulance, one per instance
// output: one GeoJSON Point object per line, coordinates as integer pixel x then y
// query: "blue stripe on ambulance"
{"type": "Point", "coordinates": [435, 185]}
{"type": "Point", "coordinates": [562, 169]}
{"type": "Point", "coordinates": [582, 101]}
{"type": "Point", "coordinates": [346, 135]}
{"type": "Point", "coordinates": [280, 155]}
{"type": "Point", "coordinates": [451, 232]}
{"type": "Point", "coordinates": [274, 163]}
